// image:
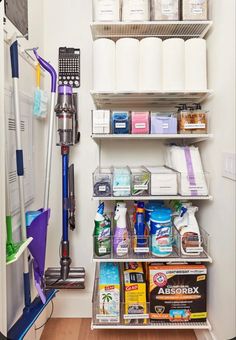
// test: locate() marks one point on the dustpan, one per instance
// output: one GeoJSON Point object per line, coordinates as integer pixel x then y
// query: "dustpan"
{"type": "Point", "coordinates": [38, 231]}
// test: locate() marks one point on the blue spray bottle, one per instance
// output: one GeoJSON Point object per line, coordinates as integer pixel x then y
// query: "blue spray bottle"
{"type": "Point", "coordinates": [140, 226]}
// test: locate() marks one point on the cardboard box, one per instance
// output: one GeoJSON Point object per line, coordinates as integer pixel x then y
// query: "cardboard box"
{"type": "Point", "coordinates": [109, 293]}
{"type": "Point", "coordinates": [177, 293]}
{"type": "Point", "coordinates": [135, 294]}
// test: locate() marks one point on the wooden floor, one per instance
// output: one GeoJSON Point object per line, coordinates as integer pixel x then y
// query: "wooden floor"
{"type": "Point", "coordinates": [79, 329]}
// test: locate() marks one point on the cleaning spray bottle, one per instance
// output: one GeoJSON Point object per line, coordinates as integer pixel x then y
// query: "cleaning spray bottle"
{"type": "Point", "coordinates": [121, 237]}
{"type": "Point", "coordinates": [102, 233]}
{"type": "Point", "coordinates": [189, 231]}
{"type": "Point", "coordinates": [140, 229]}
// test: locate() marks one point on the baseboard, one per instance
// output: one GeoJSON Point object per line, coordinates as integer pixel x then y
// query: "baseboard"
{"type": "Point", "coordinates": [204, 335]}
{"type": "Point", "coordinates": [73, 304]}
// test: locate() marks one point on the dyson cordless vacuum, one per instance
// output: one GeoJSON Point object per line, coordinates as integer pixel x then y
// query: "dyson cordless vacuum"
{"type": "Point", "coordinates": [66, 277]}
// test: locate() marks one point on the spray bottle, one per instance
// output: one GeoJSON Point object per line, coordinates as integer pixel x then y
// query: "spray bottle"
{"type": "Point", "coordinates": [121, 237]}
{"type": "Point", "coordinates": [102, 233]}
{"type": "Point", "coordinates": [140, 229]}
{"type": "Point", "coordinates": [189, 231]}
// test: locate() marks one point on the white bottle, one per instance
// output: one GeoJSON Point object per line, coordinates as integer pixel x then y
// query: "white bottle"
{"type": "Point", "coordinates": [189, 231]}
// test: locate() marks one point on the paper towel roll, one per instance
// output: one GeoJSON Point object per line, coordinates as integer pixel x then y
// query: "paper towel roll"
{"type": "Point", "coordinates": [104, 65]}
{"type": "Point", "coordinates": [127, 64]}
{"type": "Point", "coordinates": [150, 66]}
{"type": "Point", "coordinates": [173, 65]}
{"type": "Point", "coordinates": [195, 65]}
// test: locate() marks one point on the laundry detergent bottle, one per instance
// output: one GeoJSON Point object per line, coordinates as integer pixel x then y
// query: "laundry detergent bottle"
{"type": "Point", "coordinates": [121, 237]}
{"type": "Point", "coordinates": [188, 228]}
{"type": "Point", "coordinates": [102, 233]}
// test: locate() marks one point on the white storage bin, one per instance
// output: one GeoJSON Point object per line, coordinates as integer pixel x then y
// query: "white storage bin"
{"type": "Point", "coordinates": [163, 181]}
{"type": "Point", "coordinates": [106, 10]}
{"type": "Point", "coordinates": [195, 9]}
{"type": "Point", "coordinates": [136, 10]}
{"type": "Point", "coordinates": [100, 121]}
{"type": "Point", "coordinates": [165, 10]}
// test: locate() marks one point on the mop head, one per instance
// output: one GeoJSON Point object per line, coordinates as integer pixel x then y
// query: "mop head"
{"type": "Point", "coordinates": [15, 250]}
{"type": "Point", "coordinates": [75, 280]}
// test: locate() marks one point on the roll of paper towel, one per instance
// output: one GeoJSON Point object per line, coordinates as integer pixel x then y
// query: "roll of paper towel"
{"type": "Point", "coordinates": [150, 66]}
{"type": "Point", "coordinates": [104, 65]}
{"type": "Point", "coordinates": [195, 65]}
{"type": "Point", "coordinates": [127, 64]}
{"type": "Point", "coordinates": [173, 65]}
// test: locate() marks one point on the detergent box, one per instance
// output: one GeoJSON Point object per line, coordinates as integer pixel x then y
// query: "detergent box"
{"type": "Point", "coordinates": [135, 310]}
{"type": "Point", "coordinates": [177, 293]}
{"type": "Point", "coordinates": [109, 293]}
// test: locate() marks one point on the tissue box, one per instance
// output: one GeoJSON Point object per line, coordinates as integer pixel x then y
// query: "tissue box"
{"type": "Point", "coordinates": [140, 122]}
{"type": "Point", "coordinates": [178, 293]}
{"type": "Point", "coordinates": [165, 10]}
{"type": "Point", "coordinates": [120, 122]}
{"type": "Point", "coordinates": [163, 181]}
{"type": "Point", "coordinates": [109, 293]}
{"type": "Point", "coordinates": [102, 182]}
{"type": "Point", "coordinates": [140, 179]}
{"type": "Point", "coordinates": [195, 9]}
{"type": "Point", "coordinates": [163, 123]}
{"type": "Point", "coordinates": [101, 121]}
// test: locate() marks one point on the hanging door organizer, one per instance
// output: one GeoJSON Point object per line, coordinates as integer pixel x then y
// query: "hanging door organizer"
{"type": "Point", "coordinates": [152, 100]}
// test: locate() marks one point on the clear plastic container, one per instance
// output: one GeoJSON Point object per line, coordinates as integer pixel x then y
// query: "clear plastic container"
{"type": "Point", "coordinates": [194, 9]}
{"type": "Point", "coordinates": [140, 179]}
{"type": "Point", "coordinates": [120, 122]}
{"type": "Point", "coordinates": [165, 10]}
{"type": "Point", "coordinates": [140, 122]}
{"type": "Point", "coordinates": [106, 10]}
{"type": "Point", "coordinates": [101, 121]}
{"type": "Point", "coordinates": [163, 123]}
{"type": "Point", "coordinates": [121, 182]}
{"type": "Point", "coordinates": [136, 10]}
{"type": "Point", "coordinates": [102, 182]}
{"type": "Point", "coordinates": [193, 121]}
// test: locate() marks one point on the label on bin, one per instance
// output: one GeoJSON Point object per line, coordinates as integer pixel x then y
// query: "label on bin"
{"type": "Point", "coordinates": [194, 249]}
{"type": "Point", "coordinates": [102, 250]}
{"type": "Point", "coordinates": [121, 188]}
{"type": "Point", "coordinates": [141, 250]}
{"type": "Point", "coordinates": [107, 318]}
{"type": "Point", "coordinates": [195, 126]}
{"type": "Point", "coordinates": [135, 316]}
{"type": "Point", "coordinates": [165, 249]}
{"type": "Point", "coordinates": [140, 187]}
{"type": "Point", "coordinates": [102, 188]}
{"type": "Point", "coordinates": [120, 125]}
{"type": "Point", "coordinates": [165, 126]}
{"type": "Point", "coordinates": [140, 125]}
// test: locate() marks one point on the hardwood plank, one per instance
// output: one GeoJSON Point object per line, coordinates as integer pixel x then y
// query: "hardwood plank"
{"type": "Point", "coordinates": [79, 329]}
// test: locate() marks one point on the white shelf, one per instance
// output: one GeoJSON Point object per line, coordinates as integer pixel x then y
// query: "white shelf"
{"type": "Point", "coordinates": [146, 100]}
{"type": "Point", "coordinates": [189, 325]}
{"type": "Point", "coordinates": [152, 198]}
{"type": "Point", "coordinates": [189, 137]}
{"type": "Point", "coordinates": [161, 29]}
{"type": "Point", "coordinates": [192, 259]}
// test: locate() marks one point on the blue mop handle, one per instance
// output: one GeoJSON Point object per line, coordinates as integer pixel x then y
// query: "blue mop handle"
{"type": "Point", "coordinates": [65, 169]}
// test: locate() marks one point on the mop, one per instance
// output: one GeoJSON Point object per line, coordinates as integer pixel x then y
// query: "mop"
{"type": "Point", "coordinates": [33, 309]}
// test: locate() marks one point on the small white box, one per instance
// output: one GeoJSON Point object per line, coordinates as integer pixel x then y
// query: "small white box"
{"type": "Point", "coordinates": [101, 121]}
{"type": "Point", "coordinates": [164, 181]}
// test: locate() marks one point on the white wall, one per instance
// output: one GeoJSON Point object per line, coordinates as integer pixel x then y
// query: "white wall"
{"type": "Point", "coordinates": [218, 217]}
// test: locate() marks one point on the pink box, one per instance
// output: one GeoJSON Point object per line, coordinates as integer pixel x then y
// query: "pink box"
{"type": "Point", "coordinates": [140, 122]}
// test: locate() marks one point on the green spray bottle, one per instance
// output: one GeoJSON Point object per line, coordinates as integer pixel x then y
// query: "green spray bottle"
{"type": "Point", "coordinates": [102, 233]}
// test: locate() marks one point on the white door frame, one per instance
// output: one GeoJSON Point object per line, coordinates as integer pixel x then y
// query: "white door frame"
{"type": "Point", "coordinates": [3, 302]}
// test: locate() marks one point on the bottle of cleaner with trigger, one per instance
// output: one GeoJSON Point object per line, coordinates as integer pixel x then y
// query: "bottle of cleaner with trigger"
{"type": "Point", "coordinates": [102, 233]}
{"type": "Point", "coordinates": [121, 237]}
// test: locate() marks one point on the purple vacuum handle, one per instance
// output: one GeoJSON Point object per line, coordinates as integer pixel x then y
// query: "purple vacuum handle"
{"type": "Point", "coordinates": [48, 68]}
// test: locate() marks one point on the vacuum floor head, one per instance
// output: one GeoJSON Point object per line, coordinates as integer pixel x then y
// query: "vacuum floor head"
{"type": "Point", "coordinates": [75, 279]}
